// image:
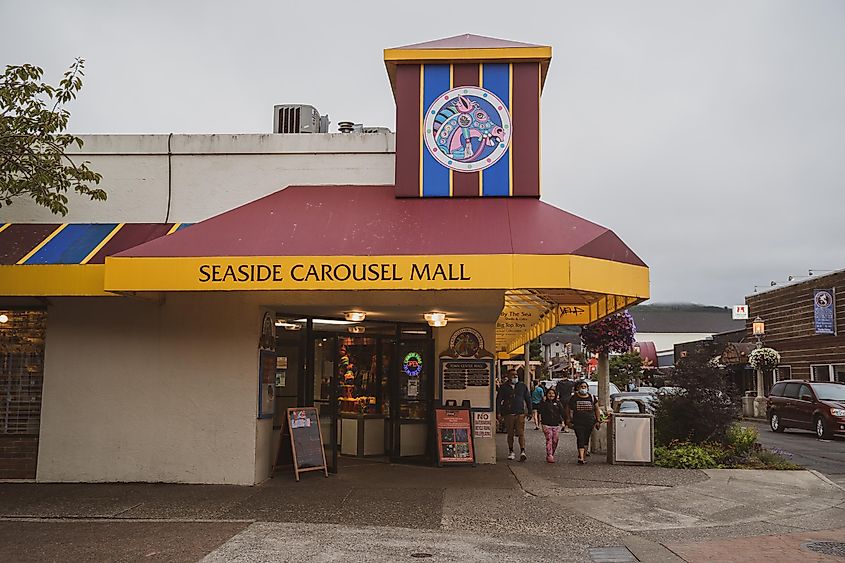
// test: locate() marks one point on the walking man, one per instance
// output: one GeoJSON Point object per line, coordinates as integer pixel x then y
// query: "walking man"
{"type": "Point", "coordinates": [513, 402]}
{"type": "Point", "coordinates": [564, 391]}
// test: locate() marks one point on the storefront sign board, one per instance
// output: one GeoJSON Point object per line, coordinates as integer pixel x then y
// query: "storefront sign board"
{"type": "Point", "coordinates": [306, 441]}
{"type": "Point", "coordinates": [454, 436]}
{"type": "Point", "coordinates": [740, 312]}
{"type": "Point", "coordinates": [467, 379]}
{"type": "Point", "coordinates": [824, 311]}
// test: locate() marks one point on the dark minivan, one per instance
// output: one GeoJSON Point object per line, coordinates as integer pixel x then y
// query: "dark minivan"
{"type": "Point", "coordinates": [811, 405]}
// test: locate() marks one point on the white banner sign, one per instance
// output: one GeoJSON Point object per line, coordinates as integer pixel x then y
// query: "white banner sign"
{"type": "Point", "coordinates": [483, 424]}
{"type": "Point", "coordinates": [740, 312]}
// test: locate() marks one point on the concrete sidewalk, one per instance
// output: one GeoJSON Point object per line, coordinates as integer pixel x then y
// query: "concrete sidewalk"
{"type": "Point", "coordinates": [380, 512]}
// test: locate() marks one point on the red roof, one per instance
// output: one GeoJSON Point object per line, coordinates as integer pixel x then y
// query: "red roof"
{"type": "Point", "coordinates": [370, 221]}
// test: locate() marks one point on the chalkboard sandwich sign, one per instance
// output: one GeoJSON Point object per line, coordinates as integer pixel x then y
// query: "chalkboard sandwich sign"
{"type": "Point", "coordinates": [306, 441]}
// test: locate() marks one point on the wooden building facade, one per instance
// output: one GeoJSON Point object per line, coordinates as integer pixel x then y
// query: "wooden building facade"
{"type": "Point", "coordinates": [789, 313]}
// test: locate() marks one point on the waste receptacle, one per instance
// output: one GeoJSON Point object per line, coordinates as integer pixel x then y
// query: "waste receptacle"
{"type": "Point", "coordinates": [630, 436]}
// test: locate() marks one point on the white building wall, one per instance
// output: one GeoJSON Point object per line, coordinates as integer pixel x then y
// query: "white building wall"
{"type": "Point", "coordinates": [665, 341]}
{"type": "Point", "coordinates": [203, 175]}
{"type": "Point", "coordinates": [142, 391]}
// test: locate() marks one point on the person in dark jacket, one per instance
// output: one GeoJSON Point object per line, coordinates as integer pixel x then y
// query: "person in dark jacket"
{"type": "Point", "coordinates": [552, 415]}
{"type": "Point", "coordinates": [583, 414]}
{"type": "Point", "coordinates": [564, 391]}
{"type": "Point", "coordinates": [513, 403]}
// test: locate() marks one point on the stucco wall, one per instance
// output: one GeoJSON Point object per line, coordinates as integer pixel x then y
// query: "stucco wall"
{"type": "Point", "coordinates": [142, 391]}
{"type": "Point", "coordinates": [205, 175]}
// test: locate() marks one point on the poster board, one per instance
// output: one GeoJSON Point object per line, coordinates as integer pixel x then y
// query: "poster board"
{"type": "Point", "coordinates": [453, 431]}
{"type": "Point", "coordinates": [306, 441]}
{"type": "Point", "coordinates": [266, 383]}
{"type": "Point", "coordinates": [467, 379]}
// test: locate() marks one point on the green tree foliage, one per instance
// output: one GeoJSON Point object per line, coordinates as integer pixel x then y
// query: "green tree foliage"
{"type": "Point", "coordinates": [33, 143]}
{"type": "Point", "coordinates": [535, 350]}
{"type": "Point", "coordinates": [625, 367]}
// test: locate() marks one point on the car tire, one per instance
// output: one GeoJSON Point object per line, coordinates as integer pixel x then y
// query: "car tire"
{"type": "Point", "coordinates": [775, 423]}
{"type": "Point", "coordinates": [822, 431]}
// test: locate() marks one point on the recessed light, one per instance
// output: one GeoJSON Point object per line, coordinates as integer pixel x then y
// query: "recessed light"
{"type": "Point", "coordinates": [355, 316]}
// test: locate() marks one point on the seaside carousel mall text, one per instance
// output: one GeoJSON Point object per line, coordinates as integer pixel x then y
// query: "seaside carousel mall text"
{"type": "Point", "coordinates": [161, 335]}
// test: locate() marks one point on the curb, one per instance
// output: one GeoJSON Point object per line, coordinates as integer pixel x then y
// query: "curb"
{"type": "Point", "coordinates": [826, 479]}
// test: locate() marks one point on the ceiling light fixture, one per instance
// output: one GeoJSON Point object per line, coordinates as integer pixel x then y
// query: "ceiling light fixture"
{"type": "Point", "coordinates": [355, 316]}
{"type": "Point", "coordinates": [357, 329]}
{"type": "Point", "coordinates": [435, 317]}
{"type": "Point", "coordinates": [438, 323]}
{"type": "Point", "coordinates": [4, 318]}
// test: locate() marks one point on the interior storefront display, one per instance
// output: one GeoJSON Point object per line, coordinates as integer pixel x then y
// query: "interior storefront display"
{"type": "Point", "coordinates": [22, 337]}
{"type": "Point", "coordinates": [371, 385]}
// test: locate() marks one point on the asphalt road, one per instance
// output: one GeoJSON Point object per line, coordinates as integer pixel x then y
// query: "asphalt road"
{"type": "Point", "coordinates": [825, 456]}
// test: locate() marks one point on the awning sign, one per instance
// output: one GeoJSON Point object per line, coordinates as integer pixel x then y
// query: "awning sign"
{"type": "Point", "coordinates": [824, 310]}
{"type": "Point", "coordinates": [740, 312]}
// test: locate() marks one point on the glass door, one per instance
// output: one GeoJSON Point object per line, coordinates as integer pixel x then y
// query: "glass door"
{"type": "Point", "coordinates": [325, 389]}
{"type": "Point", "coordinates": [412, 394]}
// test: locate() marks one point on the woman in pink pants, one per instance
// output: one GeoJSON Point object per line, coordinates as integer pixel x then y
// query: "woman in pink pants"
{"type": "Point", "coordinates": [552, 415]}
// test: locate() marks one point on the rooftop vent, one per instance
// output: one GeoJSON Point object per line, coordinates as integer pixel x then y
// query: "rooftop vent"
{"type": "Point", "coordinates": [350, 127]}
{"type": "Point", "coordinates": [299, 118]}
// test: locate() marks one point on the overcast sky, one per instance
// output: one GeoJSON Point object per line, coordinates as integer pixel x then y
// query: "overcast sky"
{"type": "Point", "coordinates": [709, 135]}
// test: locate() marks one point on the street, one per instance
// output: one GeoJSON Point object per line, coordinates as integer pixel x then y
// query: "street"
{"type": "Point", "coordinates": [802, 447]}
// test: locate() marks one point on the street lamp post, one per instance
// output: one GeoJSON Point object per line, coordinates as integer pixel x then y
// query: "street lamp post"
{"type": "Point", "coordinates": [758, 328]}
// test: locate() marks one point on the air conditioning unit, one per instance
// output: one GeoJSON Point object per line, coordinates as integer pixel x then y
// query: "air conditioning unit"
{"type": "Point", "coordinates": [299, 118]}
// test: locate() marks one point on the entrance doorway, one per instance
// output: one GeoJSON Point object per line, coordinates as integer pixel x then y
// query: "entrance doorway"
{"type": "Point", "coordinates": [371, 382]}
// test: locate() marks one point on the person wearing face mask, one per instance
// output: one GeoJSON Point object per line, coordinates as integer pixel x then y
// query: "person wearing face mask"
{"type": "Point", "coordinates": [552, 415]}
{"type": "Point", "coordinates": [513, 403]}
{"type": "Point", "coordinates": [583, 414]}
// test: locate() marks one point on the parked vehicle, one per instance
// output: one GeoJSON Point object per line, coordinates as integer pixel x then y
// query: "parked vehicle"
{"type": "Point", "coordinates": [665, 390]}
{"type": "Point", "coordinates": [594, 388]}
{"type": "Point", "coordinates": [811, 405]}
{"type": "Point", "coordinates": [646, 389]}
{"type": "Point", "coordinates": [628, 401]}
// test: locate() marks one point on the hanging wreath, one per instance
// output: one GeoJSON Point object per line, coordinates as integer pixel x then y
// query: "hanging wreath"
{"type": "Point", "coordinates": [764, 358]}
{"type": "Point", "coordinates": [614, 333]}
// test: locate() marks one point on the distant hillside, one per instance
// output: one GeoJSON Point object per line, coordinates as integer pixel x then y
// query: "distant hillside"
{"type": "Point", "coordinates": [683, 317]}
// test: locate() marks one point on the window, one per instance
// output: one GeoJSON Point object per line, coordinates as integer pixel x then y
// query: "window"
{"type": "Point", "coordinates": [784, 372]}
{"type": "Point", "coordinates": [777, 390]}
{"type": "Point", "coordinates": [839, 373]}
{"type": "Point", "coordinates": [791, 391]}
{"type": "Point", "coordinates": [804, 393]}
{"type": "Point", "coordinates": [820, 373]}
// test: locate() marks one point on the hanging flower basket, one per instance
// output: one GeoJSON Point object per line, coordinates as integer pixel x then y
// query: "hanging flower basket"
{"type": "Point", "coordinates": [764, 358]}
{"type": "Point", "coordinates": [614, 333]}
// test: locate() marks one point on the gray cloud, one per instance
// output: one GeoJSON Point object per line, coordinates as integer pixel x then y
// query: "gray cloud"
{"type": "Point", "coordinates": [708, 135]}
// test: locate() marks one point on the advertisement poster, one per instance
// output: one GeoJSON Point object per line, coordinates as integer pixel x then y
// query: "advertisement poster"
{"type": "Point", "coordinates": [824, 309]}
{"type": "Point", "coordinates": [266, 383]}
{"type": "Point", "coordinates": [454, 440]}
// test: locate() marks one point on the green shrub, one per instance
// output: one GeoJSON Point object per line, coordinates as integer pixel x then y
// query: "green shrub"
{"type": "Point", "coordinates": [705, 409]}
{"type": "Point", "coordinates": [684, 455]}
{"type": "Point", "coordinates": [742, 439]}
